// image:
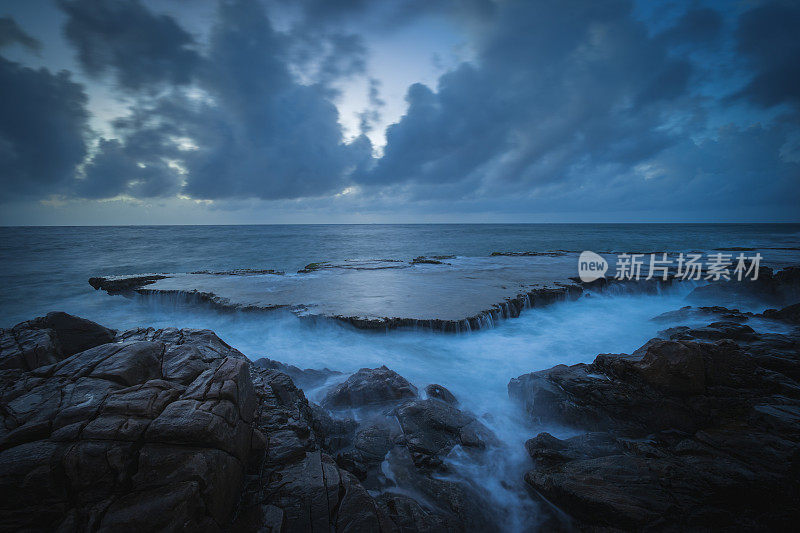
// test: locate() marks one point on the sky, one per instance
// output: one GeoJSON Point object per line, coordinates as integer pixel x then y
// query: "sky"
{"type": "Point", "coordinates": [370, 111]}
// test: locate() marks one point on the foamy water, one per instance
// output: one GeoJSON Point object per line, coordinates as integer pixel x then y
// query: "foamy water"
{"type": "Point", "coordinates": [475, 366]}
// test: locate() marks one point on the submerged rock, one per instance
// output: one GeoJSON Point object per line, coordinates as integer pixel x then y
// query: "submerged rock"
{"type": "Point", "coordinates": [370, 386]}
{"type": "Point", "coordinates": [403, 443]}
{"type": "Point", "coordinates": [305, 379]}
{"type": "Point", "coordinates": [684, 433]}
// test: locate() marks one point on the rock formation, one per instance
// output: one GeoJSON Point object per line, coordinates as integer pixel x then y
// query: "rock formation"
{"type": "Point", "coordinates": [696, 430]}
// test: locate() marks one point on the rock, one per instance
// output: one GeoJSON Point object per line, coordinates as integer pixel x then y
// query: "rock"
{"type": "Point", "coordinates": [76, 334]}
{"type": "Point", "coordinates": [441, 393]}
{"type": "Point", "coordinates": [106, 438]}
{"type": "Point", "coordinates": [683, 433]}
{"type": "Point", "coordinates": [46, 340]}
{"type": "Point", "coordinates": [781, 288]}
{"type": "Point", "coordinates": [672, 367]}
{"type": "Point", "coordinates": [790, 313]}
{"type": "Point", "coordinates": [297, 476]}
{"type": "Point", "coordinates": [720, 330]}
{"type": "Point", "coordinates": [432, 428]}
{"type": "Point", "coordinates": [409, 515]}
{"type": "Point", "coordinates": [422, 260]}
{"type": "Point", "coordinates": [305, 379]}
{"type": "Point", "coordinates": [370, 387]}
{"type": "Point", "coordinates": [700, 313]}
{"type": "Point", "coordinates": [164, 430]}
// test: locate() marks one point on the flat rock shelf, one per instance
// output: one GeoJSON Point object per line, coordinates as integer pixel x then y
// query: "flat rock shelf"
{"type": "Point", "coordinates": [450, 294]}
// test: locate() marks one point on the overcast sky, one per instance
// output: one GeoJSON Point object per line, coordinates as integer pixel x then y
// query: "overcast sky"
{"type": "Point", "coordinates": [287, 111]}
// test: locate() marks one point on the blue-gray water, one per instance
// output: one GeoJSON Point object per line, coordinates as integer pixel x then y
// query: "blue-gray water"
{"type": "Point", "coordinates": [44, 269]}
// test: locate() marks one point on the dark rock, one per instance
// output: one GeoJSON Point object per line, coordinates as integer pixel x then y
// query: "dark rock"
{"type": "Point", "coordinates": [76, 334]}
{"type": "Point", "coordinates": [106, 439]}
{"type": "Point", "coordinates": [46, 340]}
{"type": "Point", "coordinates": [422, 260]}
{"type": "Point", "coordinates": [685, 434]}
{"type": "Point", "coordinates": [780, 288]}
{"type": "Point", "coordinates": [409, 515]}
{"type": "Point", "coordinates": [369, 387]}
{"type": "Point", "coordinates": [122, 285]}
{"type": "Point", "coordinates": [441, 393]}
{"type": "Point", "coordinates": [790, 313]}
{"type": "Point", "coordinates": [431, 429]}
{"type": "Point", "coordinates": [689, 312]}
{"type": "Point", "coordinates": [164, 430]}
{"type": "Point", "coordinates": [305, 379]}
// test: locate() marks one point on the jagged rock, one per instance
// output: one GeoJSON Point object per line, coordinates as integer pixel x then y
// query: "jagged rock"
{"type": "Point", "coordinates": [107, 438]}
{"type": "Point", "coordinates": [165, 430]}
{"type": "Point", "coordinates": [689, 312]}
{"type": "Point", "coordinates": [47, 340]}
{"type": "Point", "coordinates": [409, 515]}
{"type": "Point", "coordinates": [431, 429]}
{"type": "Point", "coordinates": [687, 434]}
{"type": "Point", "coordinates": [790, 313]}
{"type": "Point", "coordinates": [370, 387]}
{"type": "Point", "coordinates": [441, 393]}
{"type": "Point", "coordinates": [781, 288]}
{"type": "Point", "coordinates": [305, 379]}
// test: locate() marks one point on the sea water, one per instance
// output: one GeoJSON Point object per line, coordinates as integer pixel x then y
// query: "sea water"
{"type": "Point", "coordinates": [45, 269]}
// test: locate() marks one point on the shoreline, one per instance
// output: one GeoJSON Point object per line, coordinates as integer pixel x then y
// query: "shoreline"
{"type": "Point", "coordinates": [387, 443]}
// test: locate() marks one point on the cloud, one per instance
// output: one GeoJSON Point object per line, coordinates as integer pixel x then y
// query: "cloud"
{"type": "Point", "coordinates": [254, 131]}
{"type": "Point", "coordinates": [43, 124]}
{"type": "Point", "coordinates": [695, 26]}
{"type": "Point", "coordinates": [567, 106]}
{"type": "Point", "coordinates": [767, 38]}
{"type": "Point", "coordinates": [123, 37]}
{"type": "Point", "coordinates": [11, 33]}
{"type": "Point", "coordinates": [556, 88]}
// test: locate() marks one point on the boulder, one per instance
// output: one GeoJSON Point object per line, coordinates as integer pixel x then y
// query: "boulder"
{"type": "Point", "coordinates": [370, 387]}
{"type": "Point", "coordinates": [441, 393]}
{"type": "Point", "coordinates": [164, 430]}
{"type": "Point", "coordinates": [681, 434]}
{"type": "Point", "coordinates": [305, 379]}
{"type": "Point", "coordinates": [47, 340]}
{"type": "Point", "coordinates": [106, 438]}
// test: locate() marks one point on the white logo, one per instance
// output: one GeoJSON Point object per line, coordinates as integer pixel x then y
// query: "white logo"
{"type": "Point", "coordinates": [591, 266]}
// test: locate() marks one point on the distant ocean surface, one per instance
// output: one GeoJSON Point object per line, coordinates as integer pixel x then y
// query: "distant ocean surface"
{"type": "Point", "coordinates": [46, 268]}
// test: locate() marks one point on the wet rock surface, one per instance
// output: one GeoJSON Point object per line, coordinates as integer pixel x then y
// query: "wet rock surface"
{"type": "Point", "coordinates": [174, 430]}
{"type": "Point", "coordinates": [698, 429]}
{"type": "Point", "coordinates": [400, 444]}
{"type": "Point", "coordinates": [441, 393]}
{"type": "Point", "coordinates": [780, 288]}
{"type": "Point", "coordinates": [370, 386]}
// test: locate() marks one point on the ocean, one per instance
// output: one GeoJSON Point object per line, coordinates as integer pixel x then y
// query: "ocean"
{"type": "Point", "coordinates": [45, 269]}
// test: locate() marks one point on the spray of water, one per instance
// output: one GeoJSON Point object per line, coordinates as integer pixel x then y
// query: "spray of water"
{"type": "Point", "coordinates": [475, 366]}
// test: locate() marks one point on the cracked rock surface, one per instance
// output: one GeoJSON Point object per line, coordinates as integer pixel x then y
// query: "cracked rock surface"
{"type": "Point", "coordinates": [161, 430]}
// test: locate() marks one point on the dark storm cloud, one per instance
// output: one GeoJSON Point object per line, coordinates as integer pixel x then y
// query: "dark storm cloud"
{"type": "Point", "coordinates": [767, 37]}
{"type": "Point", "coordinates": [43, 124]}
{"type": "Point", "coordinates": [696, 26]}
{"type": "Point", "coordinates": [10, 33]}
{"type": "Point", "coordinates": [122, 36]}
{"type": "Point", "coordinates": [114, 171]}
{"type": "Point", "coordinates": [253, 132]}
{"type": "Point", "coordinates": [556, 87]}
{"type": "Point", "coordinates": [566, 105]}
